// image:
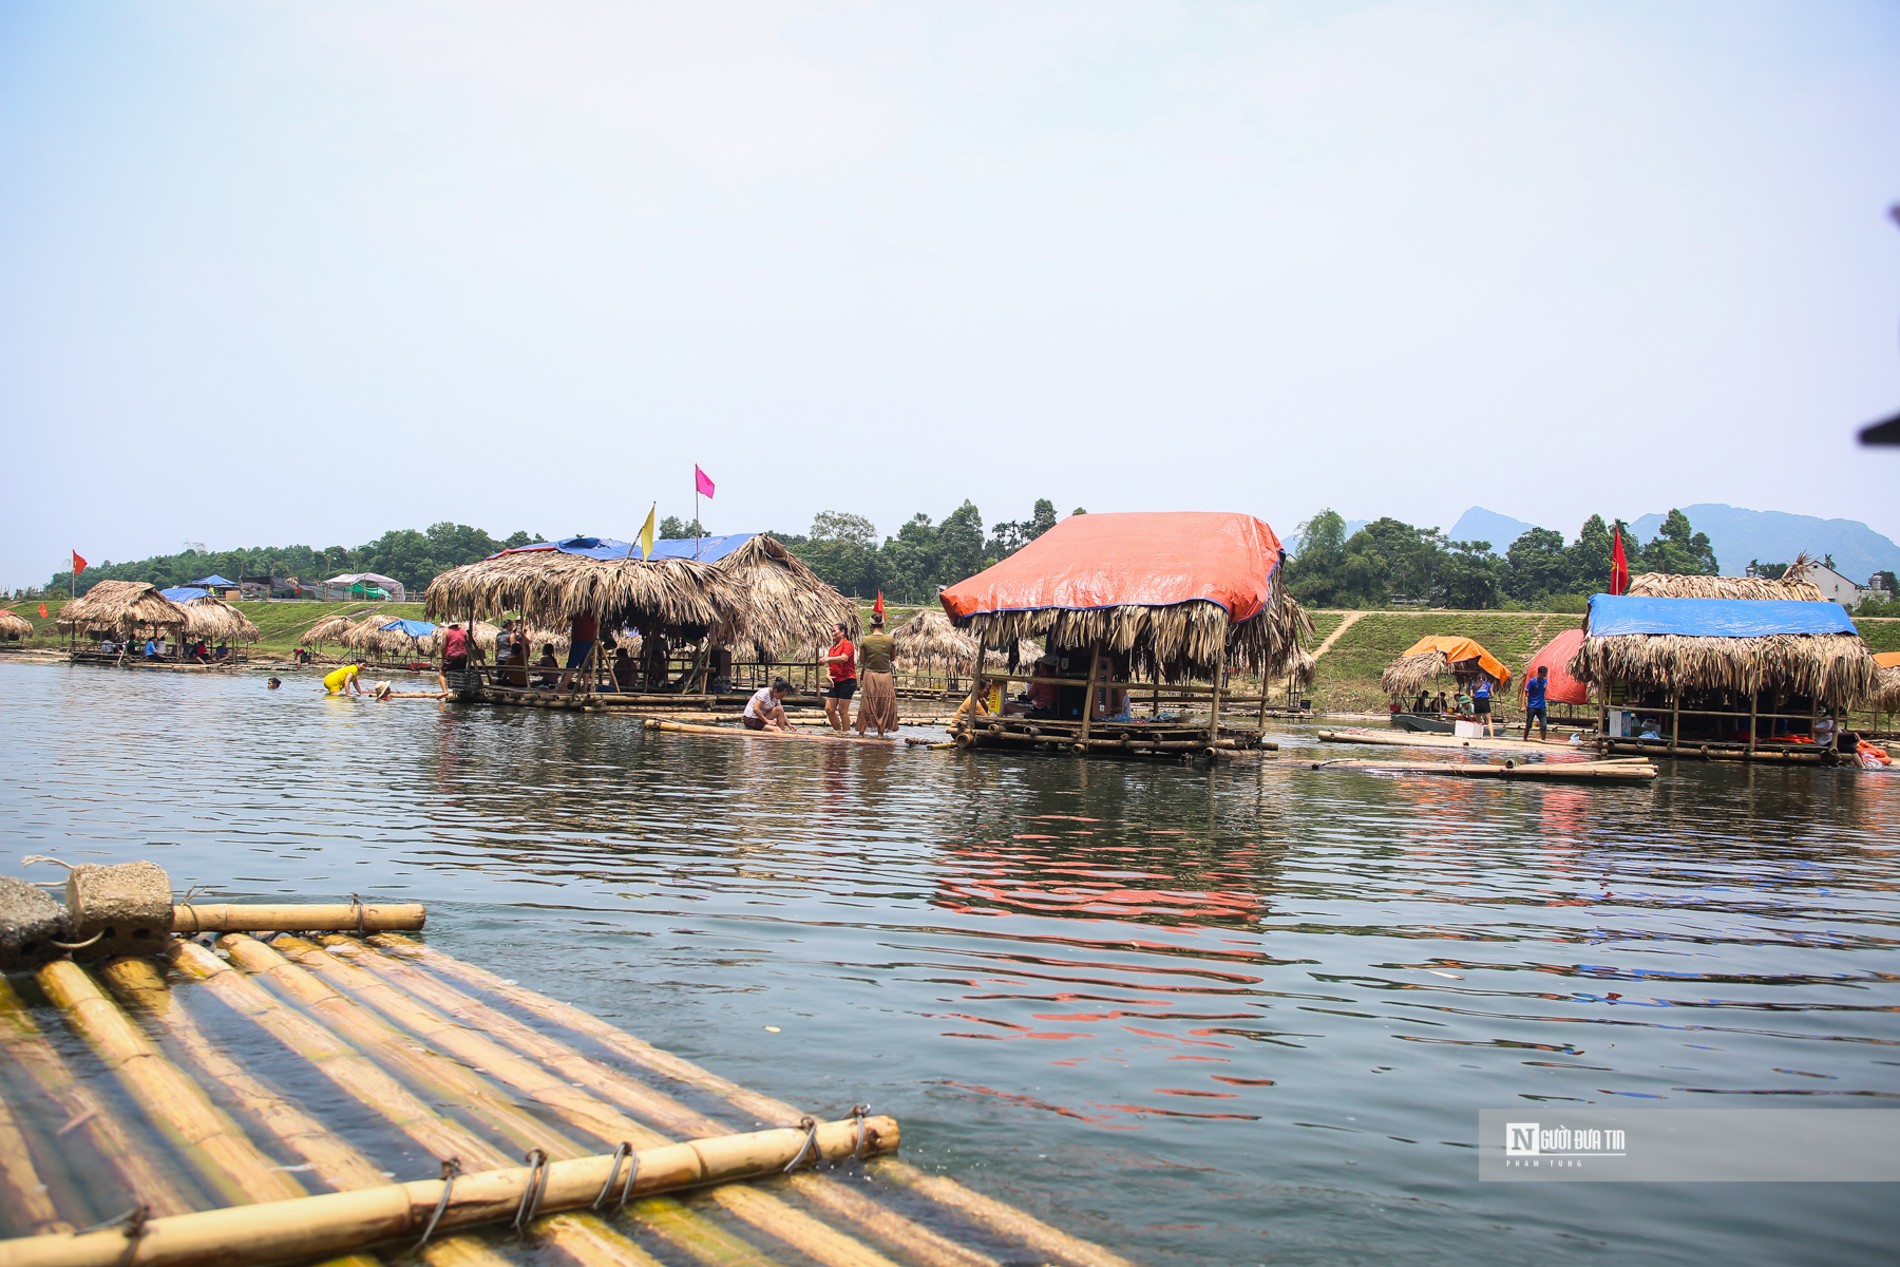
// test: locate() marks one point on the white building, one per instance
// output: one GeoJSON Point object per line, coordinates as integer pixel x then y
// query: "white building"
{"type": "Point", "coordinates": [1837, 588]}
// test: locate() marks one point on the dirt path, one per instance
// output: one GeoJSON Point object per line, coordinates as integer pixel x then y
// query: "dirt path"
{"type": "Point", "coordinates": [1352, 618]}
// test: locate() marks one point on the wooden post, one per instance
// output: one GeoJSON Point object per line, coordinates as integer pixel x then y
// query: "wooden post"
{"type": "Point", "coordinates": [1213, 719]}
{"type": "Point", "coordinates": [1675, 716]}
{"type": "Point", "coordinates": [1088, 696]}
{"type": "Point", "coordinates": [1754, 700]}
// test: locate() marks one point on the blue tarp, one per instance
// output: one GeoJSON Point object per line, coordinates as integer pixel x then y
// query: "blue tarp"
{"type": "Point", "coordinates": [414, 628]}
{"type": "Point", "coordinates": [214, 581]}
{"type": "Point", "coordinates": [705, 549]}
{"type": "Point", "coordinates": [1611, 616]}
{"type": "Point", "coordinates": [183, 593]}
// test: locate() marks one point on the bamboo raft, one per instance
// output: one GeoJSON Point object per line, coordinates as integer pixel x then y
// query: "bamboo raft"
{"type": "Point", "coordinates": [1613, 771]}
{"type": "Point", "coordinates": [730, 732]}
{"type": "Point", "coordinates": [331, 1097]}
{"type": "Point", "coordinates": [1417, 739]}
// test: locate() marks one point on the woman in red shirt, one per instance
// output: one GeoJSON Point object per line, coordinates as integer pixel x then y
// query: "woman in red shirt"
{"type": "Point", "coordinates": [842, 661]}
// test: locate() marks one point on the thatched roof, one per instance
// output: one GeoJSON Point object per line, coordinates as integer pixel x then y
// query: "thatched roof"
{"type": "Point", "coordinates": [121, 607]}
{"type": "Point", "coordinates": [1833, 667]}
{"type": "Point", "coordinates": [1434, 655]}
{"type": "Point", "coordinates": [1157, 589]}
{"type": "Point", "coordinates": [329, 629]}
{"type": "Point", "coordinates": [549, 588]}
{"type": "Point", "coordinates": [1886, 692]}
{"type": "Point", "coordinates": [1793, 583]}
{"type": "Point", "coordinates": [928, 639]}
{"type": "Point", "coordinates": [365, 632]}
{"type": "Point", "coordinates": [14, 625]}
{"type": "Point", "coordinates": [215, 620]}
{"type": "Point", "coordinates": [786, 604]}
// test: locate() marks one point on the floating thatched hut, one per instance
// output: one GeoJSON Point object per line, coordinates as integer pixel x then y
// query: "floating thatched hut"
{"type": "Point", "coordinates": [1886, 693]}
{"type": "Point", "coordinates": [1166, 597]}
{"type": "Point", "coordinates": [587, 580]}
{"type": "Point", "coordinates": [328, 630]}
{"type": "Point", "coordinates": [788, 607]}
{"type": "Point", "coordinates": [1441, 655]}
{"type": "Point", "coordinates": [125, 609]}
{"type": "Point", "coordinates": [14, 626]}
{"type": "Point", "coordinates": [215, 621]}
{"type": "Point", "coordinates": [1721, 676]}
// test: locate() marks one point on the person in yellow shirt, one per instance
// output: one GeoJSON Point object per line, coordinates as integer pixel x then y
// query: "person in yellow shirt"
{"type": "Point", "coordinates": [342, 679]}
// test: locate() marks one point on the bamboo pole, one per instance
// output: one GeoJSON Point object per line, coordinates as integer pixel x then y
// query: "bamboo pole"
{"type": "Point", "coordinates": [764, 1211]}
{"type": "Point", "coordinates": [27, 1198]}
{"type": "Point", "coordinates": [313, 1226]}
{"type": "Point", "coordinates": [1088, 698]}
{"type": "Point", "coordinates": [1049, 1242]}
{"type": "Point", "coordinates": [234, 1167]}
{"type": "Point", "coordinates": [664, 1111]}
{"type": "Point", "coordinates": [246, 917]}
{"type": "Point", "coordinates": [451, 1082]}
{"type": "Point", "coordinates": [29, 1051]}
{"type": "Point", "coordinates": [140, 987]}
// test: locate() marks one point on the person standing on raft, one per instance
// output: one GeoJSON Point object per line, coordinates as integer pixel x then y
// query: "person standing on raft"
{"type": "Point", "coordinates": [766, 708]}
{"type": "Point", "coordinates": [877, 657]}
{"type": "Point", "coordinates": [1536, 696]}
{"type": "Point", "coordinates": [1481, 704]}
{"type": "Point", "coordinates": [455, 644]}
{"type": "Point", "coordinates": [841, 662]}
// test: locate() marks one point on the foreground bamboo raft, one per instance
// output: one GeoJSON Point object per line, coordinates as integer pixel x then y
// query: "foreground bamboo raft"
{"type": "Point", "coordinates": [1613, 771]}
{"type": "Point", "coordinates": [353, 1097]}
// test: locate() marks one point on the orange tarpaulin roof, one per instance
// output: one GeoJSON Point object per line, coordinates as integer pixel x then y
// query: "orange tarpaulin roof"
{"type": "Point", "coordinates": [1457, 651]}
{"type": "Point", "coordinates": [1556, 656]}
{"type": "Point", "coordinates": [1887, 659]}
{"type": "Point", "coordinates": [1137, 559]}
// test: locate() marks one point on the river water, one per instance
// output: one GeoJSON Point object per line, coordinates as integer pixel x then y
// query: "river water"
{"type": "Point", "coordinates": [1237, 1014]}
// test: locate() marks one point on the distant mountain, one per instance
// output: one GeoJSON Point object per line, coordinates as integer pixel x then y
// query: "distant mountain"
{"type": "Point", "coordinates": [1479, 524]}
{"type": "Point", "coordinates": [1773, 536]}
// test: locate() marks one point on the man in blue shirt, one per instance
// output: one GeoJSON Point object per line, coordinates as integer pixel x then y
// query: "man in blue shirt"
{"type": "Point", "coordinates": [1536, 689]}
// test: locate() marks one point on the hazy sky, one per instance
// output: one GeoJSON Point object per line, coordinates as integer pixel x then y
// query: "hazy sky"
{"type": "Point", "coordinates": [276, 273]}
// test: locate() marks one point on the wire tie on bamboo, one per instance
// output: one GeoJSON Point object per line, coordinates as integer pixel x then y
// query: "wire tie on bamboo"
{"type": "Point", "coordinates": [450, 1169]}
{"type": "Point", "coordinates": [624, 1152]}
{"type": "Point", "coordinates": [532, 1191]}
{"type": "Point", "coordinates": [134, 1220]}
{"type": "Point", "coordinates": [858, 1112]}
{"type": "Point", "coordinates": [807, 1149]}
{"type": "Point", "coordinates": [356, 905]}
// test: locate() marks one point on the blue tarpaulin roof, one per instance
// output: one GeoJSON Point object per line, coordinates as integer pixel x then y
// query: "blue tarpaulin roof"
{"type": "Point", "coordinates": [414, 628]}
{"type": "Point", "coordinates": [214, 581]}
{"type": "Point", "coordinates": [705, 549]}
{"type": "Point", "coordinates": [183, 593]}
{"type": "Point", "coordinates": [1614, 615]}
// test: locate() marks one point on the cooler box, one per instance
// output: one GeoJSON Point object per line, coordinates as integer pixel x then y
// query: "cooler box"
{"type": "Point", "coordinates": [1468, 729]}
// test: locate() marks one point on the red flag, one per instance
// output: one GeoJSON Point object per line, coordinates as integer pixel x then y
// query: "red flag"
{"type": "Point", "coordinates": [79, 564]}
{"type": "Point", "coordinates": [42, 611]}
{"type": "Point", "coordinates": [1619, 562]}
{"type": "Point", "coordinates": [702, 483]}
{"type": "Point", "coordinates": [878, 606]}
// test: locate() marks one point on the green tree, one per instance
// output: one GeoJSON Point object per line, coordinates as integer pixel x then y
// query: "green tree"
{"type": "Point", "coordinates": [1677, 548]}
{"type": "Point", "coordinates": [1536, 566]}
{"type": "Point", "coordinates": [1317, 574]}
{"type": "Point", "coordinates": [959, 546]}
{"type": "Point", "coordinates": [673, 528]}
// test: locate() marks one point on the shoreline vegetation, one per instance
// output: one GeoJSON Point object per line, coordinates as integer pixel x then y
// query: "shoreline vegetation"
{"type": "Point", "coordinates": [1346, 678]}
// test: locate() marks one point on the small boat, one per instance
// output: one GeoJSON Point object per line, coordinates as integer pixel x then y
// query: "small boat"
{"type": "Point", "coordinates": [1423, 723]}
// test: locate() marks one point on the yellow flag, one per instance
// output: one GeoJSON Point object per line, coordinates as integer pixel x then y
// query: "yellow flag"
{"type": "Point", "coordinates": [646, 534]}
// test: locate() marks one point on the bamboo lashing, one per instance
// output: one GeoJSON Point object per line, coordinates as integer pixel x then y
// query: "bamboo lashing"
{"type": "Point", "coordinates": [605, 1122]}
{"type": "Point", "coordinates": [28, 1050]}
{"type": "Point", "coordinates": [1049, 1242]}
{"type": "Point", "coordinates": [140, 987]}
{"type": "Point", "coordinates": [916, 1241]}
{"type": "Point", "coordinates": [313, 1226]}
{"type": "Point", "coordinates": [582, 1237]}
{"type": "Point", "coordinates": [208, 1139]}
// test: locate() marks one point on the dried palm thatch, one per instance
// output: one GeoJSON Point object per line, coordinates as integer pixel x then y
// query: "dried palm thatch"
{"type": "Point", "coordinates": [1304, 669]}
{"type": "Point", "coordinates": [1886, 693]}
{"type": "Point", "coordinates": [550, 588]}
{"type": "Point", "coordinates": [13, 625]}
{"type": "Point", "coordinates": [928, 640]}
{"type": "Point", "coordinates": [786, 606]}
{"type": "Point", "coordinates": [329, 629]}
{"type": "Point", "coordinates": [121, 607]}
{"type": "Point", "coordinates": [1407, 675]}
{"type": "Point", "coordinates": [1192, 639]}
{"type": "Point", "coordinates": [364, 633]}
{"type": "Point", "coordinates": [1834, 669]}
{"type": "Point", "coordinates": [1792, 585]}
{"type": "Point", "coordinates": [215, 620]}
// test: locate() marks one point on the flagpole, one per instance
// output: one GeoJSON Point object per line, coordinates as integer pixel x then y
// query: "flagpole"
{"type": "Point", "coordinates": [696, 529]}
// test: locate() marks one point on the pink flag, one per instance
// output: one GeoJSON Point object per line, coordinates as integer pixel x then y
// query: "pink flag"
{"type": "Point", "coordinates": [701, 483]}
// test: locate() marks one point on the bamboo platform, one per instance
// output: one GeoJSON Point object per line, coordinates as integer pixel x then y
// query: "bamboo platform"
{"type": "Point", "coordinates": [327, 1098]}
{"type": "Point", "coordinates": [736, 731]}
{"type": "Point", "coordinates": [1695, 750]}
{"type": "Point", "coordinates": [1630, 771]}
{"type": "Point", "coordinates": [1416, 739]}
{"type": "Point", "coordinates": [1178, 740]}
